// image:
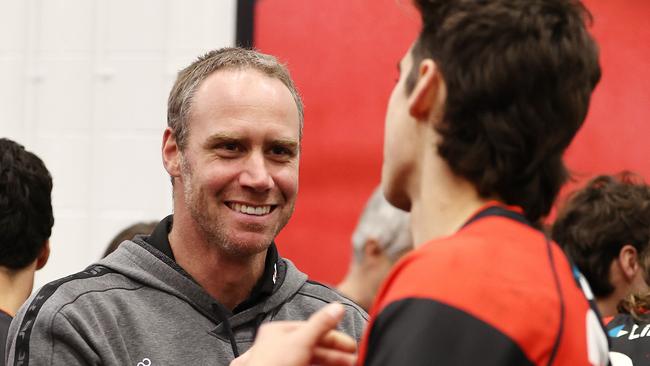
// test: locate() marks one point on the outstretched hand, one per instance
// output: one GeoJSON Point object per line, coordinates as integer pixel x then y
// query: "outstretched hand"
{"type": "Point", "coordinates": [302, 343]}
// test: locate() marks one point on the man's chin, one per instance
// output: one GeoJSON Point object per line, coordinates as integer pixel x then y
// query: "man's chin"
{"type": "Point", "coordinates": [247, 245]}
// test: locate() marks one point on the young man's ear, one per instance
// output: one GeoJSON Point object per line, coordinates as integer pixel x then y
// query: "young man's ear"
{"type": "Point", "coordinates": [171, 154]}
{"type": "Point", "coordinates": [628, 259]}
{"type": "Point", "coordinates": [43, 256]}
{"type": "Point", "coordinates": [429, 91]}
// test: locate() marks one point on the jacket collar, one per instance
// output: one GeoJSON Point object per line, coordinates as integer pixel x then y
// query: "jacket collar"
{"type": "Point", "coordinates": [159, 239]}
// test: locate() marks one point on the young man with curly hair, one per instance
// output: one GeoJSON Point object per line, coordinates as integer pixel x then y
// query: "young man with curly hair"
{"type": "Point", "coordinates": [605, 229]}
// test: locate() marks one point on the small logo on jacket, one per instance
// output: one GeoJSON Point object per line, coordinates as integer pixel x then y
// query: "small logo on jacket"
{"type": "Point", "coordinates": [633, 334]}
{"type": "Point", "coordinates": [144, 362]}
{"type": "Point", "coordinates": [617, 332]}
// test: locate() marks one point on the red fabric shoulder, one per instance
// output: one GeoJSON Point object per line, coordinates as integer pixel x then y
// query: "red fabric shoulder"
{"type": "Point", "coordinates": [498, 270]}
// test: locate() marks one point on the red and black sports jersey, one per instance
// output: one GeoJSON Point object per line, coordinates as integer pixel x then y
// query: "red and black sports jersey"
{"type": "Point", "coordinates": [630, 340]}
{"type": "Point", "coordinates": [495, 293]}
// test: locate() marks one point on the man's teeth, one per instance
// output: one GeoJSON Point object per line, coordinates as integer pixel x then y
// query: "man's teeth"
{"type": "Point", "coordinates": [251, 210]}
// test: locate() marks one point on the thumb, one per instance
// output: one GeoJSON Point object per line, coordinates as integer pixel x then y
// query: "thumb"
{"type": "Point", "coordinates": [241, 360]}
{"type": "Point", "coordinates": [322, 322]}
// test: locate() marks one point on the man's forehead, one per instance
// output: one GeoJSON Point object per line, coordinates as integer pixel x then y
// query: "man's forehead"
{"type": "Point", "coordinates": [240, 85]}
{"type": "Point", "coordinates": [230, 77]}
{"type": "Point", "coordinates": [237, 97]}
{"type": "Point", "coordinates": [244, 89]}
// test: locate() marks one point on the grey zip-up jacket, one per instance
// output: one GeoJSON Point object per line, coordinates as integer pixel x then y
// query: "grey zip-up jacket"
{"type": "Point", "coordinates": [137, 307]}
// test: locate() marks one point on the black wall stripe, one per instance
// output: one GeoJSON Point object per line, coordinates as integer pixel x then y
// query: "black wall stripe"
{"type": "Point", "coordinates": [21, 354]}
{"type": "Point", "coordinates": [245, 23]}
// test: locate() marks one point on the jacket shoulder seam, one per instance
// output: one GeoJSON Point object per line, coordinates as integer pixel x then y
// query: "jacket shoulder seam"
{"type": "Point", "coordinates": [96, 291]}
{"type": "Point", "coordinates": [328, 301]}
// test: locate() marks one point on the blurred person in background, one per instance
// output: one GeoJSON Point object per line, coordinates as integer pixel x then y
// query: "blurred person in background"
{"type": "Point", "coordinates": [604, 228]}
{"type": "Point", "coordinates": [26, 222]}
{"type": "Point", "coordinates": [196, 290]}
{"type": "Point", "coordinates": [381, 237]}
{"type": "Point", "coordinates": [128, 233]}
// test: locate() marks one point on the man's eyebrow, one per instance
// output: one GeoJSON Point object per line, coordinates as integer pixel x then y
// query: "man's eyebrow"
{"type": "Point", "coordinates": [288, 143]}
{"type": "Point", "coordinates": [220, 138]}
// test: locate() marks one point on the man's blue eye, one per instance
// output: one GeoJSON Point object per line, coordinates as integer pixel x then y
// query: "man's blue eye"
{"type": "Point", "coordinates": [229, 146]}
{"type": "Point", "coordinates": [280, 151]}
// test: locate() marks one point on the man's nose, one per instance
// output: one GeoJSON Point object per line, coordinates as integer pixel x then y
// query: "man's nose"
{"type": "Point", "coordinates": [255, 173]}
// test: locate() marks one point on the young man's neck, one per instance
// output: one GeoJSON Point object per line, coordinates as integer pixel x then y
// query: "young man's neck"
{"type": "Point", "coordinates": [229, 280]}
{"type": "Point", "coordinates": [623, 287]}
{"type": "Point", "coordinates": [607, 306]}
{"type": "Point", "coordinates": [441, 202]}
{"type": "Point", "coordinates": [15, 287]}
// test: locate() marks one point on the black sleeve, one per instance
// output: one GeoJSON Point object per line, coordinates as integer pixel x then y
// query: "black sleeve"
{"type": "Point", "coordinates": [418, 331]}
{"type": "Point", "coordinates": [5, 320]}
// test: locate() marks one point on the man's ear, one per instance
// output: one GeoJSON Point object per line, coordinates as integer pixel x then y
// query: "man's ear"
{"type": "Point", "coordinates": [171, 154]}
{"type": "Point", "coordinates": [428, 92]}
{"type": "Point", "coordinates": [43, 256]}
{"type": "Point", "coordinates": [372, 249]}
{"type": "Point", "coordinates": [628, 260]}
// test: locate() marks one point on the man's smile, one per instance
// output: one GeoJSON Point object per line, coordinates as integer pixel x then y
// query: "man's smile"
{"type": "Point", "coordinates": [250, 209]}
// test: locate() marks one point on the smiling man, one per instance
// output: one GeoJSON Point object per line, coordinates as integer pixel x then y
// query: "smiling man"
{"type": "Point", "coordinates": [196, 290]}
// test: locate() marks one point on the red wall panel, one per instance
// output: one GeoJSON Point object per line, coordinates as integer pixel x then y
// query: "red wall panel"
{"type": "Point", "coordinates": [615, 135]}
{"type": "Point", "coordinates": [343, 56]}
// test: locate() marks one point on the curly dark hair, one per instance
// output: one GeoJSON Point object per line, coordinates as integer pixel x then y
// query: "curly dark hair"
{"type": "Point", "coordinates": [519, 76]}
{"type": "Point", "coordinates": [598, 220]}
{"type": "Point", "coordinates": [26, 217]}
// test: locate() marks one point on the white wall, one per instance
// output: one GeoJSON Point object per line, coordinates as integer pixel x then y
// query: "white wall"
{"type": "Point", "coordinates": [84, 85]}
